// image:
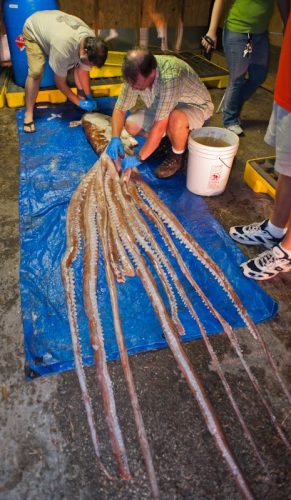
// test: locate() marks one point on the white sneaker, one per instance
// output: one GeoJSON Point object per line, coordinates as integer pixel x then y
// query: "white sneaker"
{"type": "Point", "coordinates": [267, 264]}
{"type": "Point", "coordinates": [236, 129]}
{"type": "Point", "coordinates": [254, 234]}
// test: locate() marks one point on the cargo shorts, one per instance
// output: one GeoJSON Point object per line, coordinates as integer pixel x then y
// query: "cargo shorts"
{"type": "Point", "coordinates": [35, 56]}
{"type": "Point", "coordinates": [278, 136]}
{"type": "Point", "coordinates": [144, 118]}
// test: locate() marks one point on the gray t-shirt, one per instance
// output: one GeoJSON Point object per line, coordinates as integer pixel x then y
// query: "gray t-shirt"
{"type": "Point", "coordinates": [59, 35]}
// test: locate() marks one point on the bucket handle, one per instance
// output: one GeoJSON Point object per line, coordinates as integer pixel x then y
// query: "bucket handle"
{"type": "Point", "coordinates": [224, 163]}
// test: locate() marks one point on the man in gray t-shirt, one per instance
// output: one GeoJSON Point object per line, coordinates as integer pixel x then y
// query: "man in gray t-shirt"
{"type": "Point", "coordinates": [68, 43]}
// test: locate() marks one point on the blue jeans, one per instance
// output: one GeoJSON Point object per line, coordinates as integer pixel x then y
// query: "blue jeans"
{"type": "Point", "coordinates": [239, 88]}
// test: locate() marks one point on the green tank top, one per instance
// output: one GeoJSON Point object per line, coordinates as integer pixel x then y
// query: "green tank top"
{"type": "Point", "coordinates": [249, 16]}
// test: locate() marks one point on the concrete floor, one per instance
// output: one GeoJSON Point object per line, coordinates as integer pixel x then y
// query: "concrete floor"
{"type": "Point", "coordinates": [46, 452]}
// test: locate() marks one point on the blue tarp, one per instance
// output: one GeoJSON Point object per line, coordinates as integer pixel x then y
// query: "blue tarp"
{"type": "Point", "coordinates": [52, 163]}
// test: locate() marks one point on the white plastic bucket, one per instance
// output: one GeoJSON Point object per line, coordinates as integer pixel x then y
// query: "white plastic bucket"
{"type": "Point", "coordinates": [210, 162]}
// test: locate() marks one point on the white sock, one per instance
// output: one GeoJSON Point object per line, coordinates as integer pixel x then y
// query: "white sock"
{"type": "Point", "coordinates": [178, 152]}
{"type": "Point", "coordinates": [276, 231]}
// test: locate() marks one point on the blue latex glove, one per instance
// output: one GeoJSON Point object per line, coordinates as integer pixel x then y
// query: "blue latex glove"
{"type": "Point", "coordinates": [115, 148]}
{"type": "Point", "coordinates": [130, 162]}
{"type": "Point", "coordinates": [89, 97]}
{"type": "Point", "coordinates": [87, 105]}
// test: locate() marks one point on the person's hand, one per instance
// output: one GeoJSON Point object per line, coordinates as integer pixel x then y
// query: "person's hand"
{"type": "Point", "coordinates": [87, 105]}
{"type": "Point", "coordinates": [115, 148]}
{"type": "Point", "coordinates": [130, 162]}
{"type": "Point", "coordinates": [208, 42]}
{"type": "Point", "coordinates": [89, 97]}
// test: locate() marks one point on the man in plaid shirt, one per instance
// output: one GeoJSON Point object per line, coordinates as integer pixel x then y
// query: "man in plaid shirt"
{"type": "Point", "coordinates": [172, 101]}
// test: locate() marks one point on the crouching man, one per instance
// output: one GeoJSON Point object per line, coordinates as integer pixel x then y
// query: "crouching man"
{"type": "Point", "coordinates": [174, 102]}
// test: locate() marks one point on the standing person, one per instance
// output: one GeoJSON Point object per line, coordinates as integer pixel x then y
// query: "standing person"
{"type": "Point", "coordinates": [68, 43]}
{"type": "Point", "coordinates": [175, 102]}
{"type": "Point", "coordinates": [246, 47]}
{"type": "Point", "coordinates": [275, 233]}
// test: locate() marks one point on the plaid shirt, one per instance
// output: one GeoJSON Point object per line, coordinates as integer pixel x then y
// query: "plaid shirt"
{"type": "Point", "coordinates": [175, 82]}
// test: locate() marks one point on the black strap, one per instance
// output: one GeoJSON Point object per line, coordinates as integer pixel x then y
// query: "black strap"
{"type": "Point", "coordinates": [208, 40]}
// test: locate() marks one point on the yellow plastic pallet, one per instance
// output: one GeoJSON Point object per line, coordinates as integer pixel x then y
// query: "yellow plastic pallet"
{"type": "Point", "coordinates": [111, 68]}
{"type": "Point", "coordinates": [106, 81]}
{"type": "Point", "coordinates": [260, 176]}
{"type": "Point", "coordinates": [15, 97]}
{"type": "Point", "coordinates": [4, 77]}
{"type": "Point", "coordinates": [216, 81]}
{"type": "Point", "coordinates": [111, 72]}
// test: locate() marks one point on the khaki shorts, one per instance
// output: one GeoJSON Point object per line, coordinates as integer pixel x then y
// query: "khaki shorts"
{"type": "Point", "coordinates": [278, 135]}
{"type": "Point", "coordinates": [196, 117]}
{"type": "Point", "coordinates": [35, 56]}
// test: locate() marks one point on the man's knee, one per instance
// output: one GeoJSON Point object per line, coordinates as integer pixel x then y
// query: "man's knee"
{"type": "Point", "coordinates": [35, 75]}
{"type": "Point", "coordinates": [132, 125]}
{"type": "Point", "coordinates": [35, 60]}
{"type": "Point", "coordinates": [177, 121]}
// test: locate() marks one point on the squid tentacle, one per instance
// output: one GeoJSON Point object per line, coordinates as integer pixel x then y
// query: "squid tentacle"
{"type": "Point", "coordinates": [111, 213]}
{"type": "Point", "coordinates": [73, 249]}
{"type": "Point", "coordinates": [188, 305]}
{"type": "Point", "coordinates": [124, 261]}
{"type": "Point", "coordinates": [192, 378]}
{"type": "Point", "coordinates": [142, 234]}
{"type": "Point", "coordinates": [226, 327]}
{"type": "Point", "coordinates": [90, 273]}
{"type": "Point", "coordinates": [145, 448]}
{"type": "Point", "coordinates": [68, 279]}
{"type": "Point", "coordinates": [114, 257]}
{"type": "Point", "coordinates": [74, 213]}
{"type": "Point", "coordinates": [178, 230]}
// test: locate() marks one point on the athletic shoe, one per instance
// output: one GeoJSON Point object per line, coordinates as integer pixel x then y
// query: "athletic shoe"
{"type": "Point", "coordinates": [236, 128]}
{"type": "Point", "coordinates": [254, 234]}
{"type": "Point", "coordinates": [268, 264]}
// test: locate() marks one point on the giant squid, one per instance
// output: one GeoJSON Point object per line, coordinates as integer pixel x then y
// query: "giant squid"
{"type": "Point", "coordinates": [109, 213]}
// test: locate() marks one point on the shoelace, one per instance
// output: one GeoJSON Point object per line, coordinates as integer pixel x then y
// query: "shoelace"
{"type": "Point", "coordinates": [170, 160]}
{"type": "Point", "coordinates": [266, 260]}
{"type": "Point", "coordinates": [253, 228]}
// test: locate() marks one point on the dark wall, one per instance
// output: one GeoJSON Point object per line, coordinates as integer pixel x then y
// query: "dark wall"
{"type": "Point", "coordinates": [133, 14]}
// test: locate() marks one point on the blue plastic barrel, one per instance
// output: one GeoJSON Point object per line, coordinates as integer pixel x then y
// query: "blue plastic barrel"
{"type": "Point", "coordinates": [15, 14]}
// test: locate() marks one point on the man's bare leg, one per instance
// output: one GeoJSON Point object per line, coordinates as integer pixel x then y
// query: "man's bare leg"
{"type": "Point", "coordinates": [31, 91]}
{"type": "Point", "coordinates": [178, 130]}
{"type": "Point", "coordinates": [281, 214]}
{"type": "Point", "coordinates": [82, 80]}
{"type": "Point", "coordinates": [282, 207]}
